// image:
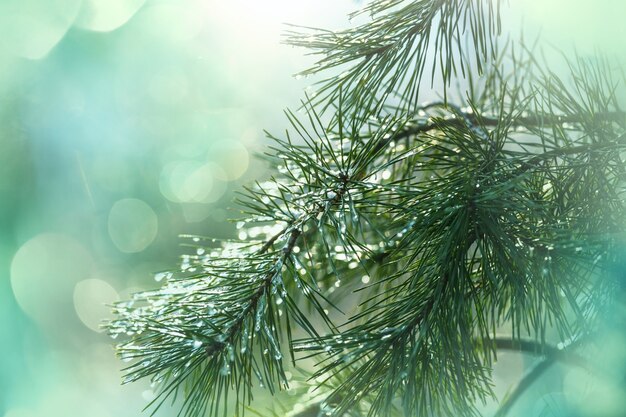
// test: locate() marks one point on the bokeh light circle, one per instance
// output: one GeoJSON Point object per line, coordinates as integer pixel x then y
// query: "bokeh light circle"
{"type": "Point", "coordinates": [132, 225]}
{"type": "Point", "coordinates": [43, 273]}
{"type": "Point", "coordinates": [170, 21]}
{"type": "Point", "coordinates": [189, 181]}
{"type": "Point", "coordinates": [106, 15]}
{"type": "Point", "coordinates": [92, 300]}
{"type": "Point", "coordinates": [232, 156]}
{"type": "Point", "coordinates": [31, 28]}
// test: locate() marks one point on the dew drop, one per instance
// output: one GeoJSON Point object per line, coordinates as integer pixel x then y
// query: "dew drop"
{"type": "Point", "coordinates": [211, 310]}
{"type": "Point", "coordinates": [162, 275]}
{"type": "Point", "coordinates": [225, 369]}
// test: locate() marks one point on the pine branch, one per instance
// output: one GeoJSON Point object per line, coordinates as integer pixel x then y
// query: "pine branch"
{"type": "Point", "coordinates": [294, 234]}
{"type": "Point", "coordinates": [253, 301]}
{"type": "Point", "coordinates": [552, 355]}
{"type": "Point", "coordinates": [375, 339]}
{"type": "Point", "coordinates": [390, 53]}
{"type": "Point", "coordinates": [447, 220]}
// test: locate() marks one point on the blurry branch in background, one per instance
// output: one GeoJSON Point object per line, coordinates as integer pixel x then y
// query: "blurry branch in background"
{"type": "Point", "coordinates": [431, 225]}
{"type": "Point", "coordinates": [552, 355]}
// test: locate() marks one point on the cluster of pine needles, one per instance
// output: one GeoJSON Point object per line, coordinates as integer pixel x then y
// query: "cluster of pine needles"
{"type": "Point", "coordinates": [395, 239]}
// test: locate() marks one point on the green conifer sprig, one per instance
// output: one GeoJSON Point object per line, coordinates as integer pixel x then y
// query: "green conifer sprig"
{"type": "Point", "coordinates": [387, 56]}
{"type": "Point", "coordinates": [395, 240]}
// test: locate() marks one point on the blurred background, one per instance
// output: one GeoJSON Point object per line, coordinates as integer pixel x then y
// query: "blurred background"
{"type": "Point", "coordinates": [124, 123]}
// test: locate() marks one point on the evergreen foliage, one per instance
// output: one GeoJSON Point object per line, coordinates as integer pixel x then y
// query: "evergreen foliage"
{"type": "Point", "coordinates": [396, 238]}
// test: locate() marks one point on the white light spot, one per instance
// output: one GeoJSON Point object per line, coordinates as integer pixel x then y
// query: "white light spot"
{"type": "Point", "coordinates": [43, 273]}
{"type": "Point", "coordinates": [31, 28]}
{"type": "Point", "coordinates": [188, 181]}
{"type": "Point", "coordinates": [133, 225]}
{"type": "Point", "coordinates": [92, 298]}
{"type": "Point", "coordinates": [232, 157]}
{"type": "Point", "coordinates": [148, 395]}
{"type": "Point", "coordinates": [170, 21]}
{"type": "Point", "coordinates": [106, 15]}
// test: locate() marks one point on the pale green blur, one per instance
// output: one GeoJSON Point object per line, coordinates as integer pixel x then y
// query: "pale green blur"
{"type": "Point", "coordinates": [123, 123]}
{"type": "Point", "coordinates": [588, 26]}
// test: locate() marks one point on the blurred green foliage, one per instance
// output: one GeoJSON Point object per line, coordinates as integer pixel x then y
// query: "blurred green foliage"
{"type": "Point", "coordinates": [122, 124]}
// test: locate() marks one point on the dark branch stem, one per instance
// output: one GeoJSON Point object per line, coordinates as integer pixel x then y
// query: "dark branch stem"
{"type": "Point", "coordinates": [522, 386]}
{"type": "Point", "coordinates": [618, 142]}
{"type": "Point", "coordinates": [531, 121]}
{"type": "Point", "coordinates": [268, 244]}
{"type": "Point", "coordinates": [551, 354]}
{"type": "Point", "coordinates": [265, 285]}
{"type": "Point", "coordinates": [294, 234]}
{"type": "Point", "coordinates": [465, 118]}
{"type": "Point", "coordinates": [531, 347]}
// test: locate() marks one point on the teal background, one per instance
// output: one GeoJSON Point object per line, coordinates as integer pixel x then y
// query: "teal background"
{"type": "Point", "coordinates": [123, 123]}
